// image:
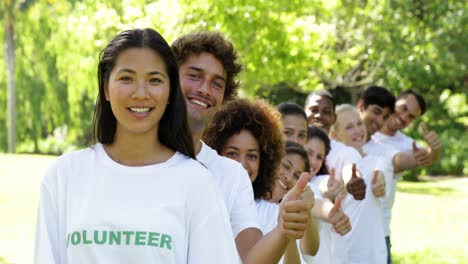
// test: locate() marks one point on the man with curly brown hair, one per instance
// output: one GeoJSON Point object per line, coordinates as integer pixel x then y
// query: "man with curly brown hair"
{"type": "Point", "coordinates": [208, 75]}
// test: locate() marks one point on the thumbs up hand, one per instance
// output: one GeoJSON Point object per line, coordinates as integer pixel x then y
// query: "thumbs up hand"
{"type": "Point", "coordinates": [335, 186]}
{"type": "Point", "coordinates": [293, 211]}
{"type": "Point", "coordinates": [421, 155]}
{"type": "Point", "coordinates": [356, 185]}
{"type": "Point", "coordinates": [378, 183]}
{"type": "Point", "coordinates": [338, 218]}
{"type": "Point", "coordinates": [308, 196]}
{"type": "Point", "coordinates": [431, 138]}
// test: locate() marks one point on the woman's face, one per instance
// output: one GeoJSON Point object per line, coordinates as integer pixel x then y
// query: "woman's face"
{"type": "Point", "coordinates": [295, 128]}
{"type": "Point", "coordinates": [350, 129]}
{"type": "Point", "coordinates": [244, 148]}
{"type": "Point", "coordinates": [292, 165]}
{"type": "Point", "coordinates": [138, 91]}
{"type": "Point", "coordinates": [316, 152]}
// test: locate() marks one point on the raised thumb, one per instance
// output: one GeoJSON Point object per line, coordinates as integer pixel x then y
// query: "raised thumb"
{"type": "Point", "coordinates": [297, 190]}
{"type": "Point", "coordinates": [337, 205]}
{"type": "Point", "coordinates": [374, 177]}
{"type": "Point", "coordinates": [330, 180]}
{"type": "Point", "coordinates": [415, 147]}
{"type": "Point", "coordinates": [301, 183]}
{"type": "Point", "coordinates": [353, 169]}
{"type": "Point", "coordinates": [424, 128]}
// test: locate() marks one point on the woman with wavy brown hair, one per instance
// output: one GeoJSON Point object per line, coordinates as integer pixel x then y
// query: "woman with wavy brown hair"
{"type": "Point", "coordinates": [251, 133]}
{"type": "Point", "coordinates": [258, 126]}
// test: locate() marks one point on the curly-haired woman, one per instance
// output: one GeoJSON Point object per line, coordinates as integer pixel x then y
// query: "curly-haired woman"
{"type": "Point", "coordinates": [251, 133]}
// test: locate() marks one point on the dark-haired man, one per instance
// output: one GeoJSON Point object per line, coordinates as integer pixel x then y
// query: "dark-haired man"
{"type": "Point", "coordinates": [400, 148]}
{"type": "Point", "coordinates": [410, 105]}
{"type": "Point", "coordinates": [376, 104]}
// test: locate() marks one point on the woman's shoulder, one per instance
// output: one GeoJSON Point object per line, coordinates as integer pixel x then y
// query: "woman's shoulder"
{"type": "Point", "coordinates": [79, 155]}
{"type": "Point", "coordinates": [69, 162]}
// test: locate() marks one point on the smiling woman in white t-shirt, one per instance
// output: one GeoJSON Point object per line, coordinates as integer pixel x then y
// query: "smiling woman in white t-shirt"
{"type": "Point", "coordinates": [251, 133]}
{"type": "Point", "coordinates": [134, 197]}
{"type": "Point", "coordinates": [365, 242]}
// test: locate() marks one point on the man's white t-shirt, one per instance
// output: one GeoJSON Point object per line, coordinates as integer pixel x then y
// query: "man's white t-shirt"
{"type": "Point", "coordinates": [234, 183]}
{"type": "Point", "coordinates": [386, 153]}
{"type": "Point", "coordinates": [95, 210]}
{"type": "Point", "coordinates": [365, 242]}
{"type": "Point", "coordinates": [401, 143]}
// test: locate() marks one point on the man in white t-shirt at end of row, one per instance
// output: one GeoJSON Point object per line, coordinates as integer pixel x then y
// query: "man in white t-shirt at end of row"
{"type": "Point", "coordinates": [384, 117]}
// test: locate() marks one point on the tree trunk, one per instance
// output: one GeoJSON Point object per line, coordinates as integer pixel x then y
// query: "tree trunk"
{"type": "Point", "coordinates": [10, 59]}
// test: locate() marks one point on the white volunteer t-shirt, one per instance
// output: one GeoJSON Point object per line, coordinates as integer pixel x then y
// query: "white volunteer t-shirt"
{"type": "Point", "coordinates": [94, 210]}
{"type": "Point", "coordinates": [341, 157]}
{"type": "Point", "coordinates": [401, 143]}
{"type": "Point", "coordinates": [365, 242]}
{"type": "Point", "coordinates": [324, 254]}
{"type": "Point", "coordinates": [234, 183]}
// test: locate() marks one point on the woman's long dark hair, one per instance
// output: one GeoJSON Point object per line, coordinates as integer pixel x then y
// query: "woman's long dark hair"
{"type": "Point", "coordinates": [173, 127]}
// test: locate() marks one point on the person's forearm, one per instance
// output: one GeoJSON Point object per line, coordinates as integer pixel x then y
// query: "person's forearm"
{"type": "Point", "coordinates": [436, 154]}
{"type": "Point", "coordinates": [246, 240]}
{"type": "Point", "coordinates": [269, 249]}
{"type": "Point", "coordinates": [291, 255]}
{"type": "Point", "coordinates": [311, 241]}
{"type": "Point", "coordinates": [404, 161]}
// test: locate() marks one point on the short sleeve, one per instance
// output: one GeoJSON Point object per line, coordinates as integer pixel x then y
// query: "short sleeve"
{"type": "Point", "coordinates": [210, 235]}
{"type": "Point", "coordinates": [49, 241]}
{"type": "Point", "coordinates": [243, 212]}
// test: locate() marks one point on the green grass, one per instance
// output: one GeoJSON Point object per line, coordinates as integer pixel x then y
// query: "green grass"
{"type": "Point", "coordinates": [20, 176]}
{"type": "Point", "coordinates": [428, 218]}
{"type": "Point", "coordinates": [429, 222]}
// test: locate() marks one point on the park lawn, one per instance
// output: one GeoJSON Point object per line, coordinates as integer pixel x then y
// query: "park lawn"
{"type": "Point", "coordinates": [428, 224]}
{"type": "Point", "coordinates": [20, 177]}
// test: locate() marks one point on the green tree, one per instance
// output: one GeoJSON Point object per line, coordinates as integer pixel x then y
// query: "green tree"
{"type": "Point", "coordinates": [288, 48]}
{"type": "Point", "coordinates": [9, 9]}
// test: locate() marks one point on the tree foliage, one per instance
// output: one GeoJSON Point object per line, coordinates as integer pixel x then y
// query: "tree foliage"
{"type": "Point", "coordinates": [288, 48]}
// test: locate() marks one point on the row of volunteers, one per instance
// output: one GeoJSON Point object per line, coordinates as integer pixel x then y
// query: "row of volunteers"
{"type": "Point", "coordinates": [183, 171]}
